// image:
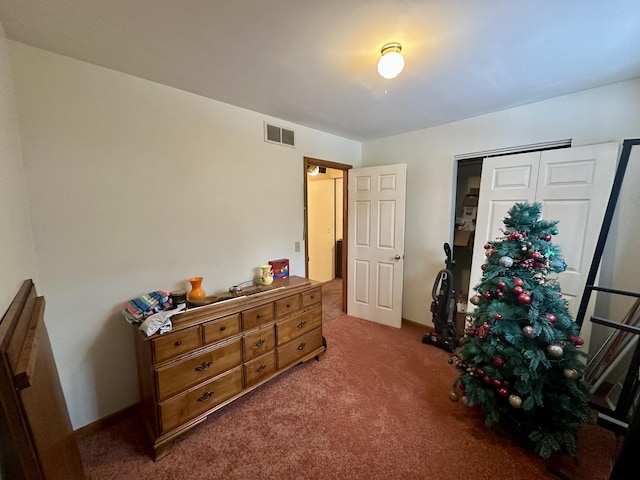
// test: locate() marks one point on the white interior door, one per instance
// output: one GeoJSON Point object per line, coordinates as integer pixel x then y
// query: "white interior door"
{"type": "Point", "coordinates": [376, 207]}
{"type": "Point", "coordinates": [572, 184]}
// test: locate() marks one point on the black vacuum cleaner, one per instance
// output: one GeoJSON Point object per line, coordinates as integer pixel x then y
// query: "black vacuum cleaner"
{"type": "Point", "coordinates": [443, 308]}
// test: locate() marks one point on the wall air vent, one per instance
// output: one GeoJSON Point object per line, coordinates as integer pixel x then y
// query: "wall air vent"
{"type": "Point", "coordinates": [279, 135]}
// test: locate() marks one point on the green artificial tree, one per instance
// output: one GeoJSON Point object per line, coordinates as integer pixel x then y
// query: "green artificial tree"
{"type": "Point", "coordinates": [521, 360]}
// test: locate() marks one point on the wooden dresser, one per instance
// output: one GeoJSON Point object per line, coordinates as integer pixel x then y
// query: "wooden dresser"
{"type": "Point", "coordinates": [219, 352]}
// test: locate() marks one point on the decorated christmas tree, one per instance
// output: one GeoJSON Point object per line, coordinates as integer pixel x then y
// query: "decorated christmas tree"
{"type": "Point", "coordinates": [521, 360]}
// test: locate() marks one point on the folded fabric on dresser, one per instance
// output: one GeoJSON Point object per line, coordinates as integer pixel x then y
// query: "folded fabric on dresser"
{"type": "Point", "coordinates": [137, 309]}
{"type": "Point", "coordinates": [160, 321]}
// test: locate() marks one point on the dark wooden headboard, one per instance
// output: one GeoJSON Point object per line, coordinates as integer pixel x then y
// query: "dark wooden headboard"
{"type": "Point", "coordinates": [36, 436]}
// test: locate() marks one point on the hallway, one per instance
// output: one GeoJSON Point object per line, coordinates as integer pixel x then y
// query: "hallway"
{"type": "Point", "coordinates": [332, 300]}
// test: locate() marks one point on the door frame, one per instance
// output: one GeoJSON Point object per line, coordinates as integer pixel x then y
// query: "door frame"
{"type": "Point", "coordinates": [345, 217]}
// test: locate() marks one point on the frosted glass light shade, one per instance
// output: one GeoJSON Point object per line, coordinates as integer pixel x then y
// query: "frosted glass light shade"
{"type": "Point", "coordinates": [390, 64]}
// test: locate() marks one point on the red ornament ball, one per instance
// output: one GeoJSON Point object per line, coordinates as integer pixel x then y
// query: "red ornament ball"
{"type": "Point", "coordinates": [576, 340]}
{"type": "Point", "coordinates": [487, 294]}
{"type": "Point", "coordinates": [498, 362]}
{"type": "Point", "coordinates": [487, 379]}
{"type": "Point", "coordinates": [503, 392]}
{"type": "Point", "coordinates": [497, 316]}
{"type": "Point", "coordinates": [551, 317]}
{"type": "Point", "coordinates": [547, 238]}
{"type": "Point", "coordinates": [518, 281]}
{"type": "Point", "coordinates": [518, 290]}
{"type": "Point", "coordinates": [501, 284]}
{"type": "Point", "coordinates": [487, 246]}
{"type": "Point", "coordinates": [479, 372]}
{"type": "Point", "coordinates": [497, 383]}
{"type": "Point", "coordinates": [524, 299]}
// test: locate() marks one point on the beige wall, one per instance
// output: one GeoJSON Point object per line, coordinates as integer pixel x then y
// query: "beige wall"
{"type": "Point", "coordinates": [609, 113]}
{"type": "Point", "coordinates": [136, 187]}
{"type": "Point", "coordinates": [321, 222]}
{"type": "Point", "coordinates": [325, 216]}
{"type": "Point", "coordinates": [17, 260]}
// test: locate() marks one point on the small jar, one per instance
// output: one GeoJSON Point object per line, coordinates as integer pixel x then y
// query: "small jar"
{"type": "Point", "coordinates": [179, 298]}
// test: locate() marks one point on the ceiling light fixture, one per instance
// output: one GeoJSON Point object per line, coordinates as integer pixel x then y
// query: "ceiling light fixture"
{"type": "Point", "coordinates": [313, 170]}
{"type": "Point", "coordinates": [391, 63]}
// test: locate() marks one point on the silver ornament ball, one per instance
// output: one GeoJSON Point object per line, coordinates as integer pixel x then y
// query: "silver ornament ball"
{"type": "Point", "coordinates": [555, 350]}
{"type": "Point", "coordinates": [506, 261]}
{"type": "Point", "coordinates": [527, 331]}
{"type": "Point", "coordinates": [515, 401]}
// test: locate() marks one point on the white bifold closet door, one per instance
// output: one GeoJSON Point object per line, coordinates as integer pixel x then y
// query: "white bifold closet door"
{"type": "Point", "coordinates": [572, 184]}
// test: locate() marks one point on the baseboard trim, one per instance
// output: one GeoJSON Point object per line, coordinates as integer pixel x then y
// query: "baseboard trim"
{"type": "Point", "coordinates": [107, 421]}
{"type": "Point", "coordinates": [427, 328]}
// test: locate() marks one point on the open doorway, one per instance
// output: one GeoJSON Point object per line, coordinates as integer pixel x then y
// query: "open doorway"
{"type": "Point", "coordinates": [325, 222]}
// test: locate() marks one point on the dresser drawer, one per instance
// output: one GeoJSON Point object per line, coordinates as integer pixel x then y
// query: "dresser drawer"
{"type": "Point", "coordinates": [291, 328]}
{"type": "Point", "coordinates": [293, 351]}
{"type": "Point", "coordinates": [184, 407]}
{"type": "Point", "coordinates": [287, 305]}
{"type": "Point", "coordinates": [255, 317]}
{"type": "Point", "coordinates": [171, 345]}
{"type": "Point", "coordinates": [221, 328]}
{"type": "Point", "coordinates": [259, 368]}
{"type": "Point", "coordinates": [191, 371]}
{"type": "Point", "coordinates": [259, 342]}
{"type": "Point", "coordinates": [311, 297]}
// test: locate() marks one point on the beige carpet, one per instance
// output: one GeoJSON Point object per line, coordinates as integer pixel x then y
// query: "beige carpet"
{"type": "Point", "coordinates": [376, 406]}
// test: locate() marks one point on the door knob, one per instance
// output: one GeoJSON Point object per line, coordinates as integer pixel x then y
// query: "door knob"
{"type": "Point", "coordinates": [397, 257]}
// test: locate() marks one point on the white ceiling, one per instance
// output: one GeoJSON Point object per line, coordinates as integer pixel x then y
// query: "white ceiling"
{"type": "Point", "coordinates": [313, 62]}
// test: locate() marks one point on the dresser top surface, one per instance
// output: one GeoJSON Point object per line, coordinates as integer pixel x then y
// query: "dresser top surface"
{"type": "Point", "coordinates": [251, 297]}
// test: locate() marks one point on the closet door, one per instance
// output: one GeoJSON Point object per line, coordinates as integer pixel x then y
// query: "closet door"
{"type": "Point", "coordinates": [505, 180]}
{"type": "Point", "coordinates": [573, 185]}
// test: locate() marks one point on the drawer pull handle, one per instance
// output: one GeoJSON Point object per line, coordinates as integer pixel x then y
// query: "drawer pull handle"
{"type": "Point", "coordinates": [205, 396]}
{"type": "Point", "coordinates": [312, 297]}
{"type": "Point", "coordinates": [258, 316]}
{"type": "Point", "coordinates": [260, 342]}
{"type": "Point", "coordinates": [301, 346]}
{"type": "Point", "coordinates": [261, 368]}
{"type": "Point", "coordinates": [223, 328]}
{"type": "Point", "coordinates": [288, 305]}
{"type": "Point", "coordinates": [203, 366]}
{"type": "Point", "coordinates": [302, 324]}
{"type": "Point", "coordinates": [177, 343]}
